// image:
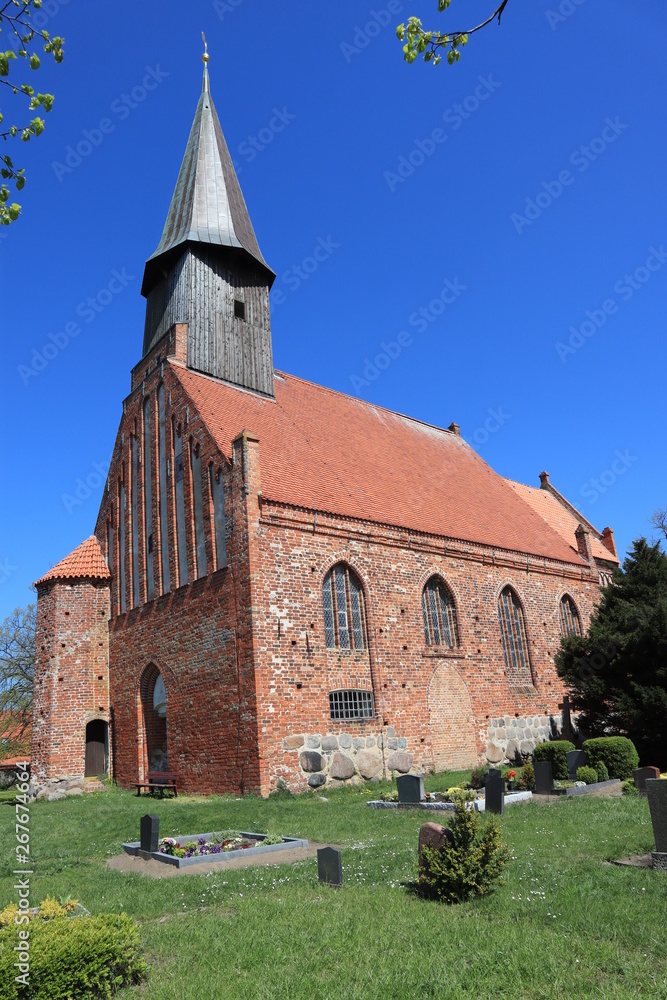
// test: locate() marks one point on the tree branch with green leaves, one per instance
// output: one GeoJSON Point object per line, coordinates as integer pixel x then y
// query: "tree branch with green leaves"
{"type": "Point", "coordinates": [17, 666]}
{"type": "Point", "coordinates": [432, 44]}
{"type": "Point", "coordinates": [15, 18]}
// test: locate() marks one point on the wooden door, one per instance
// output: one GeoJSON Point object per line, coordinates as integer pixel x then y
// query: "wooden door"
{"type": "Point", "coordinates": [95, 758]}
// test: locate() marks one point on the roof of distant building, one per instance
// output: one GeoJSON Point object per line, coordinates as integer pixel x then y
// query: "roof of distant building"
{"type": "Point", "coordinates": [562, 520]}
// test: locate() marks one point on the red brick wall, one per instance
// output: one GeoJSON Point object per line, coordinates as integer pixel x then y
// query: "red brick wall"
{"type": "Point", "coordinates": [296, 671]}
{"type": "Point", "coordinates": [242, 651]}
{"type": "Point", "coordinates": [71, 674]}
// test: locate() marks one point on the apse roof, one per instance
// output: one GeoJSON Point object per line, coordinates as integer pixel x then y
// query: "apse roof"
{"type": "Point", "coordinates": [85, 562]}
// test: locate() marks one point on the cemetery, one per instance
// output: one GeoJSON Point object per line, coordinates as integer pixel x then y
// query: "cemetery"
{"type": "Point", "coordinates": [553, 914]}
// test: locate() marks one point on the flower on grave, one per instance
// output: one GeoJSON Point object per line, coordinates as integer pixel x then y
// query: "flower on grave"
{"type": "Point", "coordinates": [512, 775]}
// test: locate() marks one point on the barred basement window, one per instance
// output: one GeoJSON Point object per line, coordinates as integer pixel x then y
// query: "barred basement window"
{"type": "Point", "coordinates": [344, 614]}
{"type": "Point", "coordinates": [513, 632]}
{"type": "Point", "coordinates": [569, 617]}
{"type": "Point", "coordinates": [351, 704]}
{"type": "Point", "coordinates": [439, 615]}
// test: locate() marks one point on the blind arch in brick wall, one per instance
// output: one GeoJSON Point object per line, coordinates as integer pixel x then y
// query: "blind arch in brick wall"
{"type": "Point", "coordinates": [451, 720]}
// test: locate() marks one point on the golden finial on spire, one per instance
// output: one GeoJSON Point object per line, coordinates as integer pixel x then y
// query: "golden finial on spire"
{"type": "Point", "coordinates": [205, 58]}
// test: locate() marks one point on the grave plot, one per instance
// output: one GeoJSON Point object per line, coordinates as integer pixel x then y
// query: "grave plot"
{"type": "Point", "coordinates": [193, 849]}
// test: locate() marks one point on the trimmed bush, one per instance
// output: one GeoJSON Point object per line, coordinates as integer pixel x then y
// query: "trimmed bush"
{"type": "Point", "coordinates": [555, 752]}
{"type": "Point", "coordinates": [629, 788]}
{"type": "Point", "coordinates": [587, 774]}
{"type": "Point", "coordinates": [617, 753]}
{"type": "Point", "coordinates": [467, 868]}
{"type": "Point", "coordinates": [603, 773]}
{"type": "Point", "coordinates": [78, 957]}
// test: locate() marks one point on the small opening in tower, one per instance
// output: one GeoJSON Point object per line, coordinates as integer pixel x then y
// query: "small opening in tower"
{"type": "Point", "coordinates": [239, 309]}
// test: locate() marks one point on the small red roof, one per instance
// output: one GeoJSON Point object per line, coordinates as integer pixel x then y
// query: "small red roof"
{"type": "Point", "coordinates": [326, 451]}
{"type": "Point", "coordinates": [85, 562]}
{"type": "Point", "coordinates": [560, 518]}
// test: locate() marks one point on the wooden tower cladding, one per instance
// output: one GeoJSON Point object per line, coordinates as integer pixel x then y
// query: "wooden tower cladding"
{"type": "Point", "coordinates": [224, 299]}
{"type": "Point", "coordinates": [208, 271]}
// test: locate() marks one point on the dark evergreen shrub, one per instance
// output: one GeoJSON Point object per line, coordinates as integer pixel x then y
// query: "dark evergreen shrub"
{"type": "Point", "coordinates": [617, 753]}
{"type": "Point", "coordinates": [468, 867]}
{"type": "Point", "coordinates": [587, 774]}
{"type": "Point", "coordinates": [555, 752]}
{"type": "Point", "coordinates": [603, 773]}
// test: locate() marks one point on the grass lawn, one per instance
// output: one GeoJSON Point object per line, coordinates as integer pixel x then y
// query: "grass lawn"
{"type": "Point", "coordinates": [565, 925]}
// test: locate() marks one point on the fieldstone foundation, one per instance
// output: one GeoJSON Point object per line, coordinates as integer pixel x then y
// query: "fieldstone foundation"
{"type": "Point", "coordinates": [512, 739]}
{"type": "Point", "coordinates": [337, 759]}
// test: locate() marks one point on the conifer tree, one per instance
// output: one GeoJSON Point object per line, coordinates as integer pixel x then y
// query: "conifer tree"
{"type": "Point", "coordinates": [617, 672]}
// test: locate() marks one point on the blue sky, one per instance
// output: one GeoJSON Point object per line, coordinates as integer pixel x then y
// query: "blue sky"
{"type": "Point", "coordinates": [502, 222]}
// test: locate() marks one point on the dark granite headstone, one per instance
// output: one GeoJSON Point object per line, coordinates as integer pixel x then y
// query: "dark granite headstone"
{"type": "Point", "coordinates": [640, 776]}
{"type": "Point", "coordinates": [330, 866]}
{"type": "Point", "coordinates": [656, 789]}
{"type": "Point", "coordinates": [495, 794]}
{"type": "Point", "coordinates": [149, 834]}
{"type": "Point", "coordinates": [544, 777]}
{"type": "Point", "coordinates": [575, 759]}
{"type": "Point", "coordinates": [410, 788]}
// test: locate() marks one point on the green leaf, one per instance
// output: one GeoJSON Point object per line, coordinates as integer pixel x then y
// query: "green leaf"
{"type": "Point", "coordinates": [34, 61]}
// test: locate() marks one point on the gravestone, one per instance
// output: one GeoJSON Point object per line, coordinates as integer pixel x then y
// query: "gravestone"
{"type": "Point", "coordinates": [640, 776]}
{"type": "Point", "coordinates": [410, 788]}
{"type": "Point", "coordinates": [149, 835]}
{"type": "Point", "coordinates": [435, 836]}
{"type": "Point", "coordinates": [575, 759]}
{"type": "Point", "coordinates": [330, 866]}
{"type": "Point", "coordinates": [656, 789]}
{"type": "Point", "coordinates": [544, 777]}
{"type": "Point", "coordinates": [495, 793]}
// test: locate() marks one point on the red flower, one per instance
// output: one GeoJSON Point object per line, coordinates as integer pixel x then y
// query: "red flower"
{"type": "Point", "coordinates": [511, 775]}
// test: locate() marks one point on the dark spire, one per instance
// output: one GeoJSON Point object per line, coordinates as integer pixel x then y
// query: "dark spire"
{"type": "Point", "coordinates": [207, 206]}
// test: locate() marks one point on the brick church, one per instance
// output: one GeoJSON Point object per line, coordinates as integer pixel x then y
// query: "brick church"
{"type": "Point", "coordinates": [287, 585]}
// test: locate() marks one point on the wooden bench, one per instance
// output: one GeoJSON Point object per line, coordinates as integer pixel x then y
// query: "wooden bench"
{"type": "Point", "coordinates": [158, 781]}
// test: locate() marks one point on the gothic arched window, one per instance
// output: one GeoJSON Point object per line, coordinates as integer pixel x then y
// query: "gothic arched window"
{"type": "Point", "coordinates": [344, 614]}
{"type": "Point", "coordinates": [439, 612]}
{"type": "Point", "coordinates": [513, 631]}
{"type": "Point", "coordinates": [569, 617]}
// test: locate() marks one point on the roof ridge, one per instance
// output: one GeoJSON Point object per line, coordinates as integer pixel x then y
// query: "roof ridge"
{"type": "Point", "coordinates": [375, 406]}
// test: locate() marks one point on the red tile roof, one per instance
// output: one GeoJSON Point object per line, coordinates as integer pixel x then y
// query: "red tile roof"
{"type": "Point", "coordinates": [85, 562]}
{"type": "Point", "coordinates": [326, 451]}
{"type": "Point", "coordinates": [559, 518]}
{"type": "Point", "coordinates": [18, 733]}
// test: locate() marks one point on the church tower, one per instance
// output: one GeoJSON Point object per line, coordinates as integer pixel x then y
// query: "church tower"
{"type": "Point", "coordinates": [208, 271]}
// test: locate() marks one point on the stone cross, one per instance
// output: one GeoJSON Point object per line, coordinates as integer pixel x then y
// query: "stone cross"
{"type": "Point", "coordinates": [330, 866]}
{"type": "Point", "coordinates": [565, 709]}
